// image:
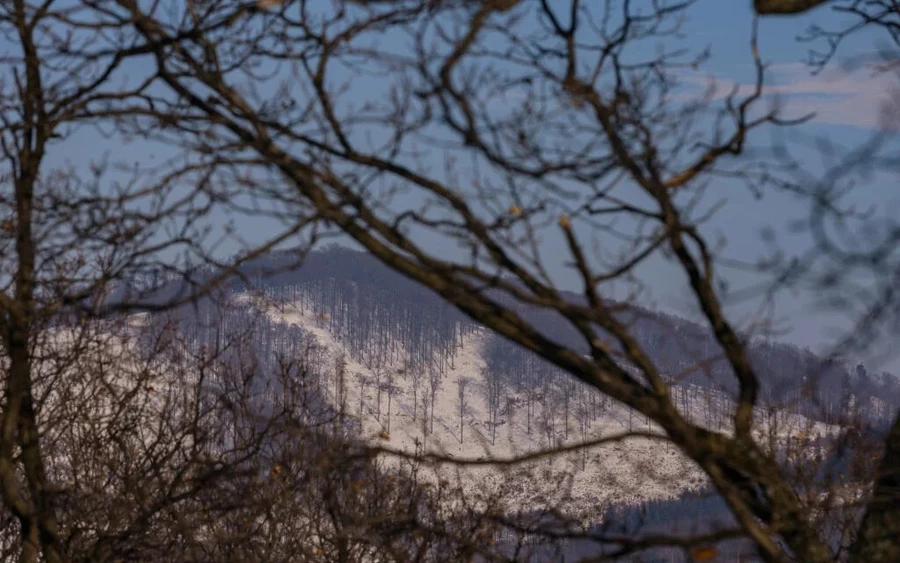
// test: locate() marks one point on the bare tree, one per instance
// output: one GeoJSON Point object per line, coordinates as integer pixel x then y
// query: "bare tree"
{"type": "Point", "coordinates": [435, 377]}
{"type": "Point", "coordinates": [123, 435]}
{"type": "Point", "coordinates": [416, 376]}
{"type": "Point", "coordinates": [81, 240]}
{"type": "Point", "coordinates": [461, 384]}
{"type": "Point", "coordinates": [391, 387]}
{"type": "Point", "coordinates": [551, 120]}
{"type": "Point", "coordinates": [552, 101]}
{"type": "Point", "coordinates": [494, 388]}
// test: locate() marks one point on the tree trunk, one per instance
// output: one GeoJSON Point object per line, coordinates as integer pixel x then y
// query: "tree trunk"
{"type": "Point", "coordinates": [878, 540]}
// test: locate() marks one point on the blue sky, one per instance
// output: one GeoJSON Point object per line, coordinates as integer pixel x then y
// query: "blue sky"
{"type": "Point", "coordinates": [847, 105]}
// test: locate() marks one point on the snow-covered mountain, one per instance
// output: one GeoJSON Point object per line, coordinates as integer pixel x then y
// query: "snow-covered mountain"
{"type": "Point", "coordinates": [375, 359]}
{"type": "Point", "coordinates": [459, 408]}
{"type": "Point", "coordinates": [448, 413]}
{"type": "Point", "coordinates": [409, 374]}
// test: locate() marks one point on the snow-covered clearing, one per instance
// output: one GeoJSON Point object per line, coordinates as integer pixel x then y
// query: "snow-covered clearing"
{"type": "Point", "coordinates": [582, 481]}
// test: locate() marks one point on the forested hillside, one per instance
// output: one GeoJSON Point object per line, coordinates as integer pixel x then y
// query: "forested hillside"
{"type": "Point", "coordinates": [380, 358]}
{"type": "Point", "coordinates": [359, 297]}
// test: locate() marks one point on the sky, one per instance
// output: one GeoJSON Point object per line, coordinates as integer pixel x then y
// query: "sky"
{"type": "Point", "coordinates": [848, 108]}
{"type": "Point", "coordinates": [849, 101]}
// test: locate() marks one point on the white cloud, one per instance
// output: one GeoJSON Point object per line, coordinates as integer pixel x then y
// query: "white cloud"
{"type": "Point", "coordinates": [862, 97]}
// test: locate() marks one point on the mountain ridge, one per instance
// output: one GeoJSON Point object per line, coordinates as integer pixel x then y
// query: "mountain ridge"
{"type": "Point", "coordinates": [673, 343]}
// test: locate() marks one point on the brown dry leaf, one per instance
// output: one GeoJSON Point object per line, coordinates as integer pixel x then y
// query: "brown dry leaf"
{"type": "Point", "coordinates": [704, 553]}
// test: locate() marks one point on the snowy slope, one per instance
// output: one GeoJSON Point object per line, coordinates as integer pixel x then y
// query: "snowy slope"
{"type": "Point", "coordinates": [390, 411]}
{"type": "Point", "coordinates": [582, 481]}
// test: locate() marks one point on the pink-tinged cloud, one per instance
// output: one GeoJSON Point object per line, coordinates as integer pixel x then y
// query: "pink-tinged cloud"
{"type": "Point", "coordinates": [864, 97]}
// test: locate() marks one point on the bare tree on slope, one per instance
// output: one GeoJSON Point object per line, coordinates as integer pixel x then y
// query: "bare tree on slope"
{"type": "Point", "coordinates": [494, 127]}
